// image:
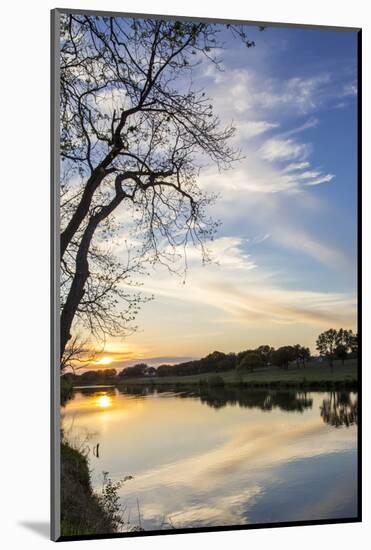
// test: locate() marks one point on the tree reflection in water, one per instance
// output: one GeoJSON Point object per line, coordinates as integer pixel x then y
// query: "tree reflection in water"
{"type": "Point", "coordinates": [264, 400]}
{"type": "Point", "coordinates": [340, 409]}
{"type": "Point", "coordinates": [218, 398]}
{"type": "Point", "coordinates": [337, 409]}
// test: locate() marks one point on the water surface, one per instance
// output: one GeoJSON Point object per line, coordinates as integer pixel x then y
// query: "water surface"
{"type": "Point", "coordinates": [220, 457]}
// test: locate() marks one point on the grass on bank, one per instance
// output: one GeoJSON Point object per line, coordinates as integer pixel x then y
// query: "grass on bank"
{"type": "Point", "coordinates": [82, 512]}
{"type": "Point", "coordinates": [312, 375]}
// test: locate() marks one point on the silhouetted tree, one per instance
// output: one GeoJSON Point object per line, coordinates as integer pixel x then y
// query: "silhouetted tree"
{"type": "Point", "coordinates": [341, 352]}
{"type": "Point", "coordinates": [77, 354]}
{"type": "Point", "coordinates": [301, 354]}
{"type": "Point", "coordinates": [326, 344]}
{"type": "Point", "coordinates": [297, 354]}
{"type": "Point", "coordinates": [305, 354]}
{"type": "Point", "coordinates": [353, 344]}
{"type": "Point", "coordinates": [265, 353]}
{"type": "Point", "coordinates": [250, 361]}
{"type": "Point", "coordinates": [283, 355]}
{"type": "Point", "coordinates": [135, 371]}
{"type": "Point", "coordinates": [337, 343]}
{"type": "Point", "coordinates": [132, 125]}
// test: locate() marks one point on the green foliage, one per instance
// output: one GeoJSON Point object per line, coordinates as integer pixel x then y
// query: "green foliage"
{"type": "Point", "coordinates": [250, 361]}
{"type": "Point", "coordinates": [110, 500]}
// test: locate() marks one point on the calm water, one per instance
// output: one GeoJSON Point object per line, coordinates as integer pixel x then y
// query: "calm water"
{"type": "Point", "coordinates": [224, 457]}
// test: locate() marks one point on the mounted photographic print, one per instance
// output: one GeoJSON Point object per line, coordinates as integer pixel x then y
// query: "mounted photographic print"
{"type": "Point", "coordinates": [205, 252]}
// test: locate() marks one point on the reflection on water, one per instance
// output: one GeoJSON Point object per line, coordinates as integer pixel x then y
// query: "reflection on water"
{"type": "Point", "coordinates": [104, 401]}
{"type": "Point", "coordinates": [223, 456]}
{"type": "Point", "coordinates": [339, 409]}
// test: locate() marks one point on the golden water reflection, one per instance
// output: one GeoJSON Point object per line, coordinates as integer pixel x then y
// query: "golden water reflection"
{"type": "Point", "coordinates": [104, 401]}
{"type": "Point", "coordinates": [226, 456]}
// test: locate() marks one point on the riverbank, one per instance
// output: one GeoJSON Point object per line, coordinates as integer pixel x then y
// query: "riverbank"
{"type": "Point", "coordinates": [82, 512]}
{"type": "Point", "coordinates": [313, 376]}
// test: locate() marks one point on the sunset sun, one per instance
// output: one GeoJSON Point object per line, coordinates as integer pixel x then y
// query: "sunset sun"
{"type": "Point", "coordinates": [104, 361]}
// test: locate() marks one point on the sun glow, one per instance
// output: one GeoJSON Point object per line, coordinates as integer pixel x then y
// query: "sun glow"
{"type": "Point", "coordinates": [104, 361]}
{"type": "Point", "coordinates": [104, 401]}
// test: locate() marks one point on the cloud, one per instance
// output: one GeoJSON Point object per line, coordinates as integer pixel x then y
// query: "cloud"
{"type": "Point", "coordinates": [323, 179]}
{"type": "Point", "coordinates": [310, 123]}
{"type": "Point", "coordinates": [297, 239]}
{"type": "Point", "coordinates": [349, 90]}
{"type": "Point", "coordinates": [258, 176]}
{"type": "Point", "coordinates": [252, 91]}
{"type": "Point", "coordinates": [278, 149]}
{"type": "Point", "coordinates": [251, 296]}
{"type": "Point", "coordinates": [261, 107]}
{"type": "Point", "coordinates": [295, 166]}
{"type": "Point", "coordinates": [307, 94]}
{"type": "Point", "coordinates": [227, 252]}
{"type": "Point", "coordinates": [254, 452]}
{"type": "Point", "coordinates": [253, 128]}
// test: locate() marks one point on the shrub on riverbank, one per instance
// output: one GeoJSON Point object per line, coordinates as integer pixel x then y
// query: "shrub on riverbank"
{"type": "Point", "coordinates": [82, 512]}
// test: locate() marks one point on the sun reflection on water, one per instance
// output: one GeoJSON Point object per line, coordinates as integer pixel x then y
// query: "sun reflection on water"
{"type": "Point", "coordinates": [104, 401]}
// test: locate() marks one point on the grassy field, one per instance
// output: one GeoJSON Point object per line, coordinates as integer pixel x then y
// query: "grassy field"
{"type": "Point", "coordinates": [314, 374]}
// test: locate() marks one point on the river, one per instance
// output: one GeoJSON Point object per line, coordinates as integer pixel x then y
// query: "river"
{"type": "Point", "coordinates": [223, 456]}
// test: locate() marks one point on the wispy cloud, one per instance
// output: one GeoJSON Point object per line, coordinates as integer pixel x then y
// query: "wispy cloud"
{"type": "Point", "coordinates": [252, 91]}
{"type": "Point", "coordinates": [323, 179]}
{"type": "Point", "coordinates": [227, 252]}
{"type": "Point", "coordinates": [278, 149]}
{"type": "Point", "coordinates": [310, 123]}
{"type": "Point", "coordinates": [295, 166]}
{"type": "Point", "coordinates": [253, 128]}
{"type": "Point", "coordinates": [250, 295]}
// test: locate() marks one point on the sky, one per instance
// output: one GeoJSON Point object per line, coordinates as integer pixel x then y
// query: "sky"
{"type": "Point", "coordinates": [285, 253]}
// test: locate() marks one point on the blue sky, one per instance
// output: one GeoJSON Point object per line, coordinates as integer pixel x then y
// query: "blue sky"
{"type": "Point", "coordinates": [285, 254]}
{"type": "Point", "coordinates": [323, 65]}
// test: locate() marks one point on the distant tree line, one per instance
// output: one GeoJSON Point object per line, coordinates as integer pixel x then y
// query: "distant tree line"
{"type": "Point", "coordinates": [332, 344]}
{"type": "Point", "coordinates": [247, 360]}
{"type": "Point", "coordinates": [101, 376]}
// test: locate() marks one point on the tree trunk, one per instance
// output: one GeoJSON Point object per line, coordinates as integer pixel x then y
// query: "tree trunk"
{"type": "Point", "coordinates": [76, 291]}
{"type": "Point", "coordinates": [83, 208]}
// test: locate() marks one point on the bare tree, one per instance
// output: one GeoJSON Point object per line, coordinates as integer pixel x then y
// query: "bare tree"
{"type": "Point", "coordinates": [76, 355]}
{"type": "Point", "coordinates": [134, 133]}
